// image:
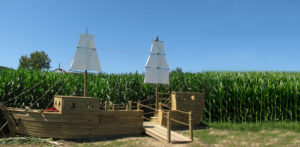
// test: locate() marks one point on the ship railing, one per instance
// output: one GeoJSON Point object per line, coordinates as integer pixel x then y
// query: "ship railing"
{"type": "Point", "coordinates": [149, 110]}
{"type": "Point", "coordinates": [170, 119]}
{"type": "Point", "coordinates": [127, 106]}
{"type": "Point", "coordinates": [164, 98]}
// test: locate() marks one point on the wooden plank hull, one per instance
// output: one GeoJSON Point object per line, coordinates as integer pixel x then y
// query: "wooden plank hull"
{"type": "Point", "coordinates": [73, 125]}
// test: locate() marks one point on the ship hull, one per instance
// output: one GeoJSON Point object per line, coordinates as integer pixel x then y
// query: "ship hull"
{"type": "Point", "coordinates": [73, 125]}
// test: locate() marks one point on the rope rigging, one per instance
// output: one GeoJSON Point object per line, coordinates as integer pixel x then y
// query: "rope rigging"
{"type": "Point", "coordinates": [16, 97]}
{"type": "Point", "coordinates": [124, 51]}
{"type": "Point", "coordinates": [42, 81]}
{"type": "Point", "coordinates": [45, 93]}
{"type": "Point", "coordinates": [59, 89]}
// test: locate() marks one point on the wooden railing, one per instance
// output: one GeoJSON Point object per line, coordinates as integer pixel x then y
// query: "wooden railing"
{"type": "Point", "coordinates": [127, 106]}
{"type": "Point", "coordinates": [164, 98]}
{"type": "Point", "coordinates": [139, 106]}
{"type": "Point", "coordinates": [169, 124]}
{"type": "Point", "coordinates": [161, 106]}
{"type": "Point", "coordinates": [169, 119]}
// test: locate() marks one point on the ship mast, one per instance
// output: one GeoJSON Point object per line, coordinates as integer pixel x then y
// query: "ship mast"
{"type": "Point", "coordinates": [157, 68]}
{"type": "Point", "coordinates": [86, 57]}
{"type": "Point", "coordinates": [85, 75]}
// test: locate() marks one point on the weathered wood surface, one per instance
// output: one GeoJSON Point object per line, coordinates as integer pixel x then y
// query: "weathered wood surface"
{"type": "Point", "coordinates": [78, 118]}
{"type": "Point", "coordinates": [184, 102]}
{"type": "Point", "coordinates": [74, 126]}
{"type": "Point", "coordinates": [160, 133]}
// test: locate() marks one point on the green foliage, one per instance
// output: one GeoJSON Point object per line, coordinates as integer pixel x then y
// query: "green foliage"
{"type": "Point", "coordinates": [37, 60]}
{"type": "Point", "coordinates": [256, 127]}
{"type": "Point", "coordinates": [4, 68]}
{"type": "Point", "coordinates": [237, 134]}
{"type": "Point", "coordinates": [25, 140]}
{"type": "Point", "coordinates": [230, 96]}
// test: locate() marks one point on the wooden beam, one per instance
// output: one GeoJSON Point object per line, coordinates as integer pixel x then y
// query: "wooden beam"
{"type": "Point", "coordinates": [138, 106]}
{"type": "Point", "coordinates": [168, 127]}
{"type": "Point", "coordinates": [156, 97]}
{"type": "Point", "coordinates": [160, 106]}
{"type": "Point", "coordinates": [85, 84]}
{"type": "Point", "coordinates": [191, 126]}
{"type": "Point", "coordinates": [106, 105]}
{"type": "Point", "coordinates": [130, 105]}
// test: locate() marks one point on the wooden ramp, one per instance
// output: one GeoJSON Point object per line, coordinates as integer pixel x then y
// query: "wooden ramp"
{"type": "Point", "coordinates": [159, 132]}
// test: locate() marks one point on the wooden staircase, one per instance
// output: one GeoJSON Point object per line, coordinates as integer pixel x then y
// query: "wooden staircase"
{"type": "Point", "coordinates": [160, 133]}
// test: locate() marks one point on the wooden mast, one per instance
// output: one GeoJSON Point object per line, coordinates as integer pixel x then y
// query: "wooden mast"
{"type": "Point", "coordinates": [85, 84]}
{"type": "Point", "coordinates": [156, 97]}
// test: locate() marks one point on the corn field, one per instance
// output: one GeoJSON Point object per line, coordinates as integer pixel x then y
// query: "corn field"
{"type": "Point", "coordinates": [230, 96]}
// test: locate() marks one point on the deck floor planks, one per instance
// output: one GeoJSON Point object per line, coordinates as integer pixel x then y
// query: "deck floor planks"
{"type": "Point", "coordinates": [159, 132]}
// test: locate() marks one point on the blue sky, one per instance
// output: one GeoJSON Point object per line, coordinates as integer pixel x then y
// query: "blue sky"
{"type": "Point", "coordinates": [199, 35]}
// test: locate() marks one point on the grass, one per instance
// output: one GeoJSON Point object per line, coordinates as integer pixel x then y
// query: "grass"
{"type": "Point", "coordinates": [293, 126]}
{"type": "Point", "coordinates": [25, 141]}
{"type": "Point", "coordinates": [249, 134]}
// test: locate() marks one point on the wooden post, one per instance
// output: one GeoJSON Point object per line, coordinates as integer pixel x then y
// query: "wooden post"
{"type": "Point", "coordinates": [156, 97]}
{"type": "Point", "coordinates": [85, 84]}
{"type": "Point", "coordinates": [113, 107]}
{"type": "Point", "coordinates": [159, 106]}
{"type": "Point", "coordinates": [191, 125]}
{"type": "Point", "coordinates": [168, 127]}
{"type": "Point", "coordinates": [138, 106]}
{"type": "Point", "coordinates": [106, 105]}
{"type": "Point", "coordinates": [130, 105]}
{"type": "Point", "coordinates": [127, 107]}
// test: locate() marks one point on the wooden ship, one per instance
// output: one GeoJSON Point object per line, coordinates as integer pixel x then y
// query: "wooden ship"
{"type": "Point", "coordinates": [75, 117]}
{"type": "Point", "coordinates": [82, 117]}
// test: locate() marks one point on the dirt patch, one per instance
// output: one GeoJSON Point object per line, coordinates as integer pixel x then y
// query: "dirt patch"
{"type": "Point", "coordinates": [218, 132]}
{"type": "Point", "coordinates": [287, 134]}
{"type": "Point", "coordinates": [296, 141]}
{"type": "Point", "coordinates": [125, 141]}
{"type": "Point", "coordinates": [270, 132]}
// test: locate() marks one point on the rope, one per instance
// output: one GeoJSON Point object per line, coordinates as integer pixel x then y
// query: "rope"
{"type": "Point", "coordinates": [181, 111]}
{"type": "Point", "coordinates": [25, 91]}
{"type": "Point", "coordinates": [176, 120]}
{"type": "Point", "coordinates": [149, 113]}
{"type": "Point", "coordinates": [147, 107]}
{"type": "Point", "coordinates": [145, 99]}
{"type": "Point", "coordinates": [179, 122]}
{"type": "Point", "coordinates": [164, 93]}
{"type": "Point", "coordinates": [44, 93]}
{"type": "Point", "coordinates": [146, 118]}
{"type": "Point", "coordinates": [123, 51]}
{"type": "Point", "coordinates": [101, 104]}
{"type": "Point", "coordinates": [119, 104]}
{"type": "Point", "coordinates": [16, 97]}
{"type": "Point", "coordinates": [58, 91]}
{"type": "Point", "coordinates": [167, 100]}
{"type": "Point", "coordinates": [166, 106]}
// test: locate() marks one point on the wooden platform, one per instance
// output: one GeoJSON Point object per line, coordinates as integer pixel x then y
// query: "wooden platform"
{"type": "Point", "coordinates": [160, 133]}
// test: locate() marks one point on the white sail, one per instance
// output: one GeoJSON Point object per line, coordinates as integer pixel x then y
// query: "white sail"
{"type": "Point", "coordinates": [157, 61]}
{"type": "Point", "coordinates": [157, 47]}
{"type": "Point", "coordinates": [86, 57]}
{"type": "Point", "coordinates": [155, 76]}
{"type": "Point", "coordinates": [157, 68]}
